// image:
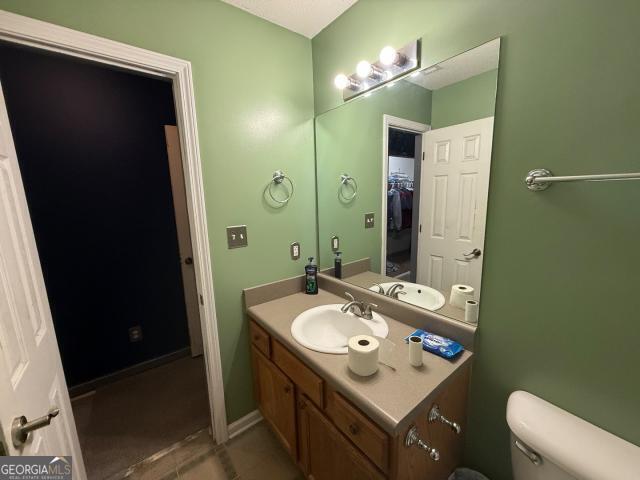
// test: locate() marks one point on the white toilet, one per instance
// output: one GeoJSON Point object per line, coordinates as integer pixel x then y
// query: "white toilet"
{"type": "Point", "coordinates": [548, 443]}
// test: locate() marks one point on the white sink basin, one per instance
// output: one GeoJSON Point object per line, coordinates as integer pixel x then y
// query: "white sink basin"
{"type": "Point", "coordinates": [416, 294]}
{"type": "Point", "coordinates": [326, 329]}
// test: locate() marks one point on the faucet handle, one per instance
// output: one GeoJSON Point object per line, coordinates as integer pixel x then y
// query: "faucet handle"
{"type": "Point", "coordinates": [380, 288]}
{"type": "Point", "coordinates": [349, 296]}
{"type": "Point", "coordinates": [367, 312]}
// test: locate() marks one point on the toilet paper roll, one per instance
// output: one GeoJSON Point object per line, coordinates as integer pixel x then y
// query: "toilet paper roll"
{"type": "Point", "coordinates": [363, 355]}
{"type": "Point", "coordinates": [415, 351]}
{"type": "Point", "coordinates": [471, 309]}
{"type": "Point", "coordinates": [460, 294]}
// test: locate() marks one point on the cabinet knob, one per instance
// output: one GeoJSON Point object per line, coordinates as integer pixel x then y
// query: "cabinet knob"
{"type": "Point", "coordinates": [412, 439]}
{"type": "Point", "coordinates": [353, 428]}
{"type": "Point", "coordinates": [436, 416]}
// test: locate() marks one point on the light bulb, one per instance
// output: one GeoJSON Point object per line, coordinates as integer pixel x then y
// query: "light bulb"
{"type": "Point", "coordinates": [388, 56]}
{"type": "Point", "coordinates": [364, 69]}
{"type": "Point", "coordinates": [341, 81]}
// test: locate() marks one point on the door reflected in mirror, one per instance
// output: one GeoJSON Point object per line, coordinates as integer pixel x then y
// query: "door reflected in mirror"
{"type": "Point", "coordinates": [417, 154]}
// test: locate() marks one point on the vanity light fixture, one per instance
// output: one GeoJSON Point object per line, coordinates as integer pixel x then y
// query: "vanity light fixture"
{"type": "Point", "coordinates": [390, 56]}
{"type": "Point", "coordinates": [392, 64]}
{"type": "Point", "coordinates": [365, 70]}
{"type": "Point", "coordinates": [342, 81]}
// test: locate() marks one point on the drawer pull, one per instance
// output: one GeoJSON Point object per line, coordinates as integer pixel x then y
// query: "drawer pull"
{"type": "Point", "coordinates": [353, 428]}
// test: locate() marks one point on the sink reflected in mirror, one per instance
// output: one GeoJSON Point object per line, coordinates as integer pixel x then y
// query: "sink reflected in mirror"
{"type": "Point", "coordinates": [327, 329]}
{"type": "Point", "coordinates": [413, 293]}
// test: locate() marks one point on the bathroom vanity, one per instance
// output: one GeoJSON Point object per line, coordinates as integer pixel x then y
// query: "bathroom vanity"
{"type": "Point", "coordinates": [335, 424]}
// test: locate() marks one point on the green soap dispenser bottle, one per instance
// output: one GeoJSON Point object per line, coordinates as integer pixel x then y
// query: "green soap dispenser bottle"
{"type": "Point", "coordinates": [311, 278]}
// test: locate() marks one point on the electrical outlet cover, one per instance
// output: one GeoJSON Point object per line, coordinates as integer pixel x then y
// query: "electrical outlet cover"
{"type": "Point", "coordinates": [135, 334]}
{"type": "Point", "coordinates": [237, 236]}
{"type": "Point", "coordinates": [335, 243]}
{"type": "Point", "coordinates": [369, 221]}
{"type": "Point", "coordinates": [294, 250]}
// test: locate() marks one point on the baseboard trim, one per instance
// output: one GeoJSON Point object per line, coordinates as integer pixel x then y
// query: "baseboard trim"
{"type": "Point", "coordinates": [244, 423]}
{"type": "Point", "coordinates": [86, 387]}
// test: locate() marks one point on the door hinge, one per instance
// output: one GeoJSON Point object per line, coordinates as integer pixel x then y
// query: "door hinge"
{"type": "Point", "coordinates": [423, 156]}
{"type": "Point", "coordinates": [201, 299]}
{"type": "Point", "coordinates": [420, 229]}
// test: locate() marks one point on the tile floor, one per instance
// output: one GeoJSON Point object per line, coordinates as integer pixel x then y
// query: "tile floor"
{"type": "Point", "coordinates": [253, 455]}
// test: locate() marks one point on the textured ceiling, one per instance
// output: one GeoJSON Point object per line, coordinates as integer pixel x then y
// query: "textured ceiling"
{"type": "Point", "coordinates": [306, 17]}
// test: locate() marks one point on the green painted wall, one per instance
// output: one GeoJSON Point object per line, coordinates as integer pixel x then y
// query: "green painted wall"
{"type": "Point", "coordinates": [560, 271]}
{"type": "Point", "coordinates": [253, 88]}
{"type": "Point", "coordinates": [349, 140]}
{"type": "Point", "coordinates": [470, 99]}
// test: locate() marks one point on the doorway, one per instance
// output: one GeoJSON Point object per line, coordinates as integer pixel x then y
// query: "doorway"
{"type": "Point", "coordinates": [93, 152]}
{"type": "Point", "coordinates": [402, 167]}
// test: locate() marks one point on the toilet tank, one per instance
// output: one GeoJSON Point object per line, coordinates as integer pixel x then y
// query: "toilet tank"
{"type": "Point", "coordinates": [548, 443]}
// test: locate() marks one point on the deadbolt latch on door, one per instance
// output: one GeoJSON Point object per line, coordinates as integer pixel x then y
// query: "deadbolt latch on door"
{"type": "Point", "coordinates": [21, 427]}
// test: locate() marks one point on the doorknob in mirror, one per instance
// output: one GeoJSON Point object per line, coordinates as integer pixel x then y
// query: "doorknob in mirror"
{"type": "Point", "coordinates": [475, 253]}
{"type": "Point", "coordinates": [188, 261]}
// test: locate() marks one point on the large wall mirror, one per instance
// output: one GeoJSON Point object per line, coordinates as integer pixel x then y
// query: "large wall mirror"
{"type": "Point", "coordinates": [403, 181]}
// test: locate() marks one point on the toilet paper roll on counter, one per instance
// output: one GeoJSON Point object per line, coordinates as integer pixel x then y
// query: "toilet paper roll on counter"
{"type": "Point", "coordinates": [363, 355]}
{"type": "Point", "coordinates": [460, 294]}
{"type": "Point", "coordinates": [415, 351]}
{"type": "Point", "coordinates": [471, 312]}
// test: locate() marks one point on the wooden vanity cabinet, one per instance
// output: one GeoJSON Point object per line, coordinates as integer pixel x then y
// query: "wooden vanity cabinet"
{"type": "Point", "coordinates": [275, 394]}
{"type": "Point", "coordinates": [325, 454]}
{"type": "Point", "coordinates": [331, 439]}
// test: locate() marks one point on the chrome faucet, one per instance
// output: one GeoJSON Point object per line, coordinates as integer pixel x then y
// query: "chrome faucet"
{"type": "Point", "coordinates": [380, 288]}
{"type": "Point", "coordinates": [358, 308]}
{"type": "Point", "coordinates": [395, 290]}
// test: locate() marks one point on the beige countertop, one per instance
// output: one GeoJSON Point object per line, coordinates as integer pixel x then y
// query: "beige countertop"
{"type": "Point", "coordinates": [391, 398]}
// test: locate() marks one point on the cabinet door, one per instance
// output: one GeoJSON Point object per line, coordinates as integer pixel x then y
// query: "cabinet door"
{"type": "Point", "coordinates": [325, 454]}
{"type": "Point", "coordinates": [276, 399]}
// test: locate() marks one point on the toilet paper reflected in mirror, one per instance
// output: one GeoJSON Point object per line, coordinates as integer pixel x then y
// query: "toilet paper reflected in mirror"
{"type": "Point", "coordinates": [471, 309]}
{"type": "Point", "coordinates": [460, 294]}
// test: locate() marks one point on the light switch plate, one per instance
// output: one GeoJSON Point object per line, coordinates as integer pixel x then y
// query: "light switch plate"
{"type": "Point", "coordinates": [237, 236]}
{"type": "Point", "coordinates": [294, 249]}
{"type": "Point", "coordinates": [369, 221]}
{"type": "Point", "coordinates": [335, 243]}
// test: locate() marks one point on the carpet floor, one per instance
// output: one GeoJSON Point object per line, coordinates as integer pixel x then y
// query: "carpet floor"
{"type": "Point", "coordinates": [133, 418]}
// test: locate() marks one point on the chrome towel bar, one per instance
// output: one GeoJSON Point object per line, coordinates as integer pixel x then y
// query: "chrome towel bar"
{"type": "Point", "coordinates": [541, 178]}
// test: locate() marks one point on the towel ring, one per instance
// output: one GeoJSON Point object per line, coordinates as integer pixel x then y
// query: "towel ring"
{"type": "Point", "coordinates": [278, 178]}
{"type": "Point", "coordinates": [344, 180]}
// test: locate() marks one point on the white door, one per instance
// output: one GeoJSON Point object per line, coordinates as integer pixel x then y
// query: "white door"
{"type": "Point", "coordinates": [31, 378]}
{"type": "Point", "coordinates": [453, 204]}
{"type": "Point", "coordinates": [189, 284]}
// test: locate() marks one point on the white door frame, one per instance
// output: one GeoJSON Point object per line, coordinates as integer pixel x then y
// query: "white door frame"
{"type": "Point", "coordinates": [35, 33]}
{"type": "Point", "coordinates": [389, 121]}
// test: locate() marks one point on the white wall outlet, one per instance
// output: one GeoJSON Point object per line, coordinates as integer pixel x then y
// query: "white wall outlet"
{"type": "Point", "coordinates": [295, 251]}
{"type": "Point", "coordinates": [335, 243]}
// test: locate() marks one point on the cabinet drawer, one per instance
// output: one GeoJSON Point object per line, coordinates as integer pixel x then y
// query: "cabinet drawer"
{"type": "Point", "coordinates": [310, 383]}
{"type": "Point", "coordinates": [260, 338]}
{"type": "Point", "coordinates": [366, 435]}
